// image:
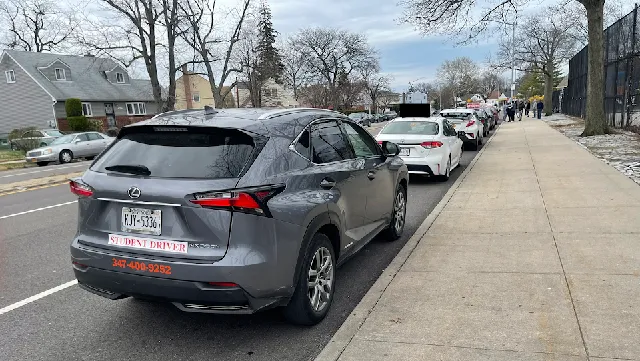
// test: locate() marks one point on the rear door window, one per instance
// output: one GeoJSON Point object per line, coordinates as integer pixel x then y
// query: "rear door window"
{"type": "Point", "coordinates": [328, 143]}
{"type": "Point", "coordinates": [209, 153]}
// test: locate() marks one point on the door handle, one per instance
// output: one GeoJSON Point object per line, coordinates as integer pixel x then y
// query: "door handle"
{"type": "Point", "coordinates": [371, 174]}
{"type": "Point", "coordinates": [327, 183]}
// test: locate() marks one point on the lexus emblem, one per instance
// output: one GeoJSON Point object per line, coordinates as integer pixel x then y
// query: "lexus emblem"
{"type": "Point", "coordinates": [134, 192]}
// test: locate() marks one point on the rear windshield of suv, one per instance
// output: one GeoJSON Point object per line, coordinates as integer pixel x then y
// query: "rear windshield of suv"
{"type": "Point", "coordinates": [408, 127]}
{"type": "Point", "coordinates": [181, 153]}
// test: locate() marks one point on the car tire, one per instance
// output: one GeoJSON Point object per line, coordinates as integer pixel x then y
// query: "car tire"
{"type": "Point", "coordinates": [300, 310]}
{"type": "Point", "coordinates": [479, 139]}
{"type": "Point", "coordinates": [65, 156]}
{"type": "Point", "coordinates": [394, 231]}
{"type": "Point", "coordinates": [42, 164]}
{"type": "Point", "coordinates": [475, 145]}
{"type": "Point", "coordinates": [447, 173]}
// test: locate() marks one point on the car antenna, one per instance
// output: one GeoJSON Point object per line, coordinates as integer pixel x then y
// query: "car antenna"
{"type": "Point", "coordinates": [209, 110]}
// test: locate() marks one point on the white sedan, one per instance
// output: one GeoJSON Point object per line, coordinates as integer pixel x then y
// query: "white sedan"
{"type": "Point", "coordinates": [465, 121]}
{"type": "Point", "coordinates": [429, 146]}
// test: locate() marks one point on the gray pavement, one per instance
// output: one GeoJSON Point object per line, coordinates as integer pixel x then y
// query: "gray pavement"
{"type": "Point", "coordinates": [532, 255]}
{"type": "Point", "coordinates": [75, 325]}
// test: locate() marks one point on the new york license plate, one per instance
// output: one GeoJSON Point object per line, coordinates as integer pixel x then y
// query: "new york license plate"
{"type": "Point", "coordinates": [140, 220]}
{"type": "Point", "coordinates": [404, 151]}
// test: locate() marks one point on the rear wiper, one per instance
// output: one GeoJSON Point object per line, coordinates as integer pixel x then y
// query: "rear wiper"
{"type": "Point", "coordinates": [129, 169]}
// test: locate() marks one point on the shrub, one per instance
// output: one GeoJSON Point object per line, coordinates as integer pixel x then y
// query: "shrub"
{"type": "Point", "coordinates": [79, 123]}
{"type": "Point", "coordinates": [73, 107]}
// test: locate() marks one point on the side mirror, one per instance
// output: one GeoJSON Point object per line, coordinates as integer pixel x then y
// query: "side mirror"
{"type": "Point", "coordinates": [390, 149]}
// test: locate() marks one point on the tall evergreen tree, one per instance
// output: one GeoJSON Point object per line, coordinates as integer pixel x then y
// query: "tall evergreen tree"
{"type": "Point", "coordinates": [269, 60]}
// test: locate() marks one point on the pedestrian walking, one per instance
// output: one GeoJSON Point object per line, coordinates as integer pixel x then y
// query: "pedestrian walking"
{"type": "Point", "coordinates": [511, 112]}
{"type": "Point", "coordinates": [520, 109]}
{"type": "Point", "coordinates": [527, 108]}
{"type": "Point", "coordinates": [539, 107]}
{"type": "Point", "coordinates": [504, 111]}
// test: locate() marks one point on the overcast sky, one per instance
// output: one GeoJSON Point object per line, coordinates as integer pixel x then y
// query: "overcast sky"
{"type": "Point", "coordinates": [404, 53]}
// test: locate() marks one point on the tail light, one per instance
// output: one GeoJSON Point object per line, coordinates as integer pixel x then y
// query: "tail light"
{"type": "Point", "coordinates": [380, 142]}
{"type": "Point", "coordinates": [80, 189]}
{"type": "Point", "coordinates": [252, 200]}
{"type": "Point", "coordinates": [224, 284]}
{"type": "Point", "coordinates": [429, 145]}
{"type": "Point", "coordinates": [471, 123]}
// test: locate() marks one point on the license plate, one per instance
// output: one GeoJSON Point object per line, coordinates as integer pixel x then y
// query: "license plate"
{"type": "Point", "coordinates": [140, 220]}
{"type": "Point", "coordinates": [32, 160]}
{"type": "Point", "coordinates": [404, 151]}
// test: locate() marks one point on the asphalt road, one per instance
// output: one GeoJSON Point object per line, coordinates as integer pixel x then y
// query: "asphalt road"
{"type": "Point", "coordinates": [19, 175]}
{"type": "Point", "coordinates": [73, 324]}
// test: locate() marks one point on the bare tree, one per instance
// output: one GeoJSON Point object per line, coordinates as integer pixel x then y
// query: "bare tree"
{"type": "Point", "coordinates": [575, 15]}
{"type": "Point", "coordinates": [141, 30]}
{"type": "Point", "coordinates": [330, 53]}
{"type": "Point", "coordinates": [491, 81]}
{"type": "Point", "coordinates": [374, 82]}
{"type": "Point", "coordinates": [456, 17]}
{"type": "Point", "coordinates": [199, 32]}
{"type": "Point", "coordinates": [554, 43]}
{"type": "Point", "coordinates": [295, 74]}
{"type": "Point", "coordinates": [36, 25]}
{"type": "Point", "coordinates": [460, 75]}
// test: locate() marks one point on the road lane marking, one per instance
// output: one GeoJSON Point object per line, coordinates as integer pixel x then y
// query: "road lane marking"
{"type": "Point", "coordinates": [40, 295]}
{"type": "Point", "coordinates": [37, 209]}
{"type": "Point", "coordinates": [43, 170]}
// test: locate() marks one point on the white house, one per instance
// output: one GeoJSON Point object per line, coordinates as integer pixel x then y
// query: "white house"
{"type": "Point", "coordinates": [273, 95]}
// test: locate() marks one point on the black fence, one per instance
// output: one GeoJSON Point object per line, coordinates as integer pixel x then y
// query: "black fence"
{"type": "Point", "coordinates": [622, 75]}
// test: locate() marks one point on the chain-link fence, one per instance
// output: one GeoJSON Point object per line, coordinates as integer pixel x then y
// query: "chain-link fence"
{"type": "Point", "coordinates": [622, 75]}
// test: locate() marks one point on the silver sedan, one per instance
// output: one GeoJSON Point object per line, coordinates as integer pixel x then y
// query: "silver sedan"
{"type": "Point", "coordinates": [70, 146]}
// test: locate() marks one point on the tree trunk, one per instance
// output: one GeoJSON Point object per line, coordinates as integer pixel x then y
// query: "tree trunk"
{"type": "Point", "coordinates": [595, 121]}
{"type": "Point", "coordinates": [548, 88]}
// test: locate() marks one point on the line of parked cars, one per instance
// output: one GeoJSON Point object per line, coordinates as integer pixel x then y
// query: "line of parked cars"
{"type": "Point", "coordinates": [433, 146]}
{"type": "Point", "coordinates": [366, 119]}
{"type": "Point", "coordinates": [44, 146]}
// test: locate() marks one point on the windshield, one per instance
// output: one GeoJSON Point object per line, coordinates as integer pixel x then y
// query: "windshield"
{"type": "Point", "coordinates": [456, 115]}
{"type": "Point", "coordinates": [54, 133]}
{"type": "Point", "coordinates": [417, 128]}
{"type": "Point", "coordinates": [65, 139]}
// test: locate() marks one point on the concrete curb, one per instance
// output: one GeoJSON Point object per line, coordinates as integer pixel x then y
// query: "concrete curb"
{"type": "Point", "coordinates": [339, 342]}
{"type": "Point", "coordinates": [44, 182]}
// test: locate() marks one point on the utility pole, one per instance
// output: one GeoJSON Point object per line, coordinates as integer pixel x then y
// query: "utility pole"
{"type": "Point", "coordinates": [513, 59]}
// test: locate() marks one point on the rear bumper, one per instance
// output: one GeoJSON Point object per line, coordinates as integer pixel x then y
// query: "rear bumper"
{"type": "Point", "coordinates": [430, 165]}
{"type": "Point", "coordinates": [185, 295]}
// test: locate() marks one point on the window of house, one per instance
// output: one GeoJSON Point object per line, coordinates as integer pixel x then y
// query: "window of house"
{"type": "Point", "coordinates": [196, 97]}
{"type": "Point", "coordinates": [119, 78]}
{"type": "Point", "coordinates": [270, 93]}
{"type": "Point", "coordinates": [60, 74]}
{"type": "Point", "coordinates": [86, 109]}
{"type": "Point", "coordinates": [136, 109]}
{"type": "Point", "coordinates": [10, 75]}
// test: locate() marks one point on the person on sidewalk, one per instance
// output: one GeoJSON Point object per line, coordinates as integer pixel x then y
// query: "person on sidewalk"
{"type": "Point", "coordinates": [527, 108]}
{"type": "Point", "coordinates": [520, 109]}
{"type": "Point", "coordinates": [504, 111]}
{"type": "Point", "coordinates": [511, 112]}
{"type": "Point", "coordinates": [539, 108]}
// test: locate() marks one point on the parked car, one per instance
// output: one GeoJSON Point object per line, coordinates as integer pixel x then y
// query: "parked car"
{"type": "Point", "coordinates": [391, 115]}
{"type": "Point", "coordinates": [428, 146]}
{"type": "Point", "coordinates": [487, 120]}
{"type": "Point", "coordinates": [35, 138]}
{"type": "Point", "coordinates": [235, 210]}
{"type": "Point", "coordinates": [361, 118]}
{"type": "Point", "coordinates": [70, 146]}
{"type": "Point", "coordinates": [467, 124]}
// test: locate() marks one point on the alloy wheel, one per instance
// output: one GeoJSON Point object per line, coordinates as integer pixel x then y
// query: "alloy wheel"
{"type": "Point", "coordinates": [320, 279]}
{"type": "Point", "coordinates": [66, 157]}
{"type": "Point", "coordinates": [399, 212]}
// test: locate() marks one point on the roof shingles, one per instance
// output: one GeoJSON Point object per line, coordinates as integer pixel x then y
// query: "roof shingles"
{"type": "Point", "coordinates": [88, 82]}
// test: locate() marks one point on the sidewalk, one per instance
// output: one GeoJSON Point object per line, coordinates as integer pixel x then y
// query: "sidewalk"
{"type": "Point", "coordinates": [534, 256]}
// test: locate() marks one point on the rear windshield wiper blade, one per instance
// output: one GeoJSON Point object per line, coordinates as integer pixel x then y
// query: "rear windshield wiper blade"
{"type": "Point", "coordinates": [129, 169]}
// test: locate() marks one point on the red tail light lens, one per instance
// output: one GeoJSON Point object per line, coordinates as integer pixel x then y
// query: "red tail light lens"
{"type": "Point", "coordinates": [429, 145]}
{"type": "Point", "coordinates": [80, 189]}
{"type": "Point", "coordinates": [380, 142]}
{"type": "Point", "coordinates": [247, 200]}
{"type": "Point", "coordinates": [471, 123]}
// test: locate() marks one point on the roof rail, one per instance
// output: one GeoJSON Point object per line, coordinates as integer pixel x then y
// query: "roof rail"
{"type": "Point", "coordinates": [284, 111]}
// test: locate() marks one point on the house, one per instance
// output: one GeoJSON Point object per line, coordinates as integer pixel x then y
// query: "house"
{"type": "Point", "coordinates": [36, 86]}
{"type": "Point", "coordinates": [193, 91]}
{"type": "Point", "coordinates": [273, 95]}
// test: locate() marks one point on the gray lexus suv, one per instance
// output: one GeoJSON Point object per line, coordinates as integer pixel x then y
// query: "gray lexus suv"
{"type": "Point", "coordinates": [235, 210]}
